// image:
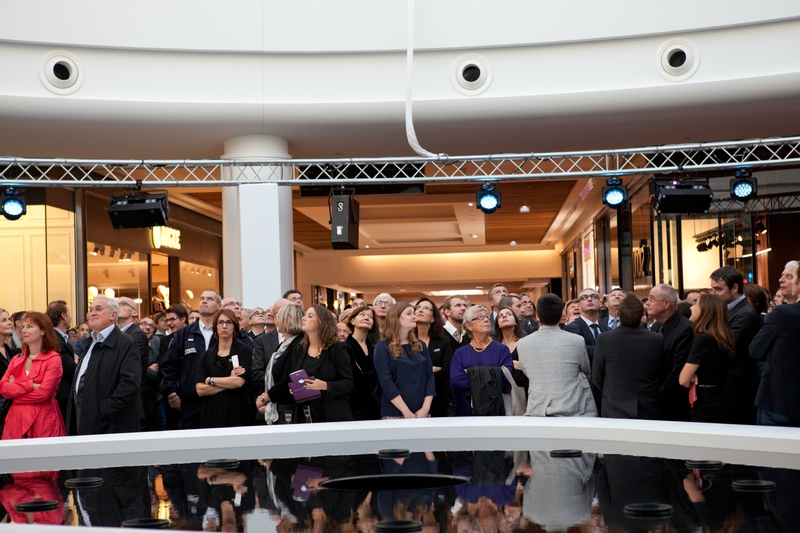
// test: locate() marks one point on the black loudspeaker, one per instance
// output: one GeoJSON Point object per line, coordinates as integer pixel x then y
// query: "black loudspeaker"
{"type": "Point", "coordinates": [140, 210]}
{"type": "Point", "coordinates": [344, 222]}
{"type": "Point", "coordinates": [677, 196]}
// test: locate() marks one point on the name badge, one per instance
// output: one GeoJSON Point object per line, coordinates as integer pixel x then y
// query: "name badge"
{"type": "Point", "coordinates": [189, 351]}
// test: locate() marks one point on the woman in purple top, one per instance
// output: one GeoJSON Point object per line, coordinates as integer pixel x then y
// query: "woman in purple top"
{"type": "Point", "coordinates": [481, 351]}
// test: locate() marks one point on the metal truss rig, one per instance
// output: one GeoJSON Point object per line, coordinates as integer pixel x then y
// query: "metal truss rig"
{"type": "Point", "coordinates": [688, 158]}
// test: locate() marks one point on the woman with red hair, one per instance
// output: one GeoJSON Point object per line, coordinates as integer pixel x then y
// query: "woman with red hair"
{"type": "Point", "coordinates": [31, 382]}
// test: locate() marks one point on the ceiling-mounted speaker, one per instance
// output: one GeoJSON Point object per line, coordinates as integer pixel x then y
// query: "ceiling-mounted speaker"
{"type": "Point", "coordinates": [140, 210]}
{"type": "Point", "coordinates": [344, 222]}
{"type": "Point", "coordinates": [677, 196]}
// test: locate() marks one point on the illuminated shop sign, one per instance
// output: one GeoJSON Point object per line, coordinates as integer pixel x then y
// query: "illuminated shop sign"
{"type": "Point", "coordinates": [164, 237]}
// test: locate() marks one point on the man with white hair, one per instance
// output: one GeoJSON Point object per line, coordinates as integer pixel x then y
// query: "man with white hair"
{"type": "Point", "coordinates": [381, 305]}
{"type": "Point", "coordinates": [786, 280]}
{"type": "Point", "coordinates": [105, 396]}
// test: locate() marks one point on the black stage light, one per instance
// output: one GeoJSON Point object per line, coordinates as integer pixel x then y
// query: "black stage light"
{"type": "Point", "coordinates": [139, 210]}
{"type": "Point", "coordinates": [677, 196]}
{"type": "Point", "coordinates": [761, 228]}
{"type": "Point", "coordinates": [488, 199]}
{"type": "Point", "coordinates": [615, 194]}
{"type": "Point", "coordinates": [12, 204]}
{"type": "Point", "coordinates": [744, 186]}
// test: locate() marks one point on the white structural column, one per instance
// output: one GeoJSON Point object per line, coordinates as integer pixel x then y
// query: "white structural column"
{"type": "Point", "coordinates": [256, 224]}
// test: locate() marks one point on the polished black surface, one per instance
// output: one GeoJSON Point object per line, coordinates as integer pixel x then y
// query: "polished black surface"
{"type": "Point", "coordinates": [482, 492]}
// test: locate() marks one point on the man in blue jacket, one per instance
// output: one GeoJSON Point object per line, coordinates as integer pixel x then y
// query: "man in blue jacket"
{"type": "Point", "coordinates": [182, 358]}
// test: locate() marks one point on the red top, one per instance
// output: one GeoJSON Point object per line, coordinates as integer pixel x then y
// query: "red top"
{"type": "Point", "coordinates": [34, 412]}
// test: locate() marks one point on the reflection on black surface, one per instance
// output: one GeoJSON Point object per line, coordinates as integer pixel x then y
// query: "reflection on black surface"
{"type": "Point", "coordinates": [508, 492]}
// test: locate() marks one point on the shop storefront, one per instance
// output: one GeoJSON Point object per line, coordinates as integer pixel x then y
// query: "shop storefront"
{"type": "Point", "coordinates": [156, 267]}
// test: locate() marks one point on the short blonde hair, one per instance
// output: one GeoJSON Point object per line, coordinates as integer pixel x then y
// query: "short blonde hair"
{"type": "Point", "coordinates": [289, 320]}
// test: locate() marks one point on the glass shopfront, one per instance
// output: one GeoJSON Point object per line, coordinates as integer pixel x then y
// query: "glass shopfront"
{"type": "Point", "coordinates": [38, 259]}
{"type": "Point", "coordinates": [156, 267]}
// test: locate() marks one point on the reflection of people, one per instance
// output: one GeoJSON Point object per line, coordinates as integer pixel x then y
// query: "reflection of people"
{"type": "Point", "coordinates": [32, 380]}
{"type": "Point", "coordinates": [560, 490]}
{"type": "Point", "coordinates": [29, 487]}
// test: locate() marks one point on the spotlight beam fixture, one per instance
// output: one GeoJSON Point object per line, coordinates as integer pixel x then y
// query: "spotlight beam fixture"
{"type": "Point", "coordinates": [615, 194]}
{"type": "Point", "coordinates": [12, 205]}
{"type": "Point", "coordinates": [744, 186]}
{"type": "Point", "coordinates": [488, 198]}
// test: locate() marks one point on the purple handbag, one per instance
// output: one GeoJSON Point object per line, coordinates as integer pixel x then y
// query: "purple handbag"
{"type": "Point", "coordinates": [302, 476]}
{"type": "Point", "coordinates": [297, 386]}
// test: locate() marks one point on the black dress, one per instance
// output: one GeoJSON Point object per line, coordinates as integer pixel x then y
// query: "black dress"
{"type": "Point", "coordinates": [231, 407]}
{"type": "Point", "coordinates": [712, 375]}
{"type": "Point", "coordinates": [364, 399]}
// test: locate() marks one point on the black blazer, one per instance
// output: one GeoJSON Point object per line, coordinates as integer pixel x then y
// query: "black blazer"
{"type": "Point", "coordinates": [441, 352]}
{"type": "Point", "coordinates": [335, 369]}
{"type": "Point", "coordinates": [778, 343]}
{"type": "Point", "coordinates": [110, 398]}
{"type": "Point", "coordinates": [629, 367]}
{"type": "Point", "coordinates": [279, 392]}
{"type": "Point", "coordinates": [265, 346]}
{"type": "Point", "coordinates": [68, 366]}
{"type": "Point", "coordinates": [745, 323]}
{"type": "Point", "coordinates": [579, 327]}
{"type": "Point", "coordinates": [678, 338]}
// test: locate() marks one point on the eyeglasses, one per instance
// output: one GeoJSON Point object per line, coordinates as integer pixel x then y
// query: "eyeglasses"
{"type": "Point", "coordinates": [481, 318]}
{"type": "Point", "coordinates": [421, 308]}
{"type": "Point", "coordinates": [296, 299]}
{"type": "Point", "coordinates": [651, 299]}
{"type": "Point", "coordinates": [590, 297]}
{"type": "Point", "coordinates": [224, 323]}
{"type": "Point", "coordinates": [172, 319]}
{"type": "Point", "coordinates": [383, 303]}
{"type": "Point", "coordinates": [259, 313]}
{"type": "Point", "coordinates": [235, 304]}
{"type": "Point", "coordinates": [129, 305]}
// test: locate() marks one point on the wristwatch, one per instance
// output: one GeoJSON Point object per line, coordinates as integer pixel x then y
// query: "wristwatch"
{"type": "Point", "coordinates": [213, 382]}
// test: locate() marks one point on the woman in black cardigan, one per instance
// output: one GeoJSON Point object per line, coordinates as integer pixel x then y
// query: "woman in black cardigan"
{"type": "Point", "coordinates": [430, 330]}
{"type": "Point", "coordinates": [365, 398]}
{"type": "Point", "coordinates": [324, 359]}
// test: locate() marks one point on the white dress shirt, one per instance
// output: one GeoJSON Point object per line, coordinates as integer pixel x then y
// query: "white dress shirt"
{"type": "Point", "coordinates": [100, 337]}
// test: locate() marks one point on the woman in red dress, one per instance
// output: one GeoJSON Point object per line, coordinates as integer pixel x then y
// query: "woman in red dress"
{"type": "Point", "coordinates": [31, 382]}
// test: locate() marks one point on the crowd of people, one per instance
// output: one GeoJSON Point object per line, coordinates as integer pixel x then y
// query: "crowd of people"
{"type": "Point", "coordinates": [719, 355]}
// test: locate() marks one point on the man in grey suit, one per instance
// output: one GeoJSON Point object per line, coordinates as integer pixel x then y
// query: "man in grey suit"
{"type": "Point", "coordinates": [556, 365]}
{"type": "Point", "coordinates": [630, 366]}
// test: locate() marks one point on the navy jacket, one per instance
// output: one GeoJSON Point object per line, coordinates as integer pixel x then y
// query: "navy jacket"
{"type": "Point", "coordinates": [579, 327]}
{"type": "Point", "coordinates": [778, 343]}
{"type": "Point", "coordinates": [180, 367]}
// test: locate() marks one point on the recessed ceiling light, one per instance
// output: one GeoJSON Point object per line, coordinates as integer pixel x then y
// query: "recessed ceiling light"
{"type": "Point", "coordinates": [474, 236]}
{"type": "Point", "coordinates": [513, 243]}
{"type": "Point", "coordinates": [470, 204]}
{"type": "Point", "coordinates": [524, 209]}
{"type": "Point", "coordinates": [367, 246]}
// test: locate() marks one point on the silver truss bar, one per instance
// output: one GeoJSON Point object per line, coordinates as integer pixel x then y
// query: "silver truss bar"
{"type": "Point", "coordinates": [694, 157]}
{"type": "Point", "coordinates": [774, 203]}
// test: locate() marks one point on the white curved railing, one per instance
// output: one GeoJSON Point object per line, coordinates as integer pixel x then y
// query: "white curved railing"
{"type": "Point", "coordinates": [748, 445]}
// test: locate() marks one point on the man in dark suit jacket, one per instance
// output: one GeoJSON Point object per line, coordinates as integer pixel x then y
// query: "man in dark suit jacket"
{"type": "Point", "coordinates": [630, 366]}
{"type": "Point", "coordinates": [266, 345]}
{"type": "Point", "coordinates": [588, 325]}
{"type": "Point", "coordinates": [106, 391]}
{"type": "Point", "coordinates": [183, 357]}
{"type": "Point", "coordinates": [59, 315]}
{"type": "Point", "coordinates": [678, 337]}
{"type": "Point", "coordinates": [778, 343]}
{"type": "Point", "coordinates": [727, 283]}
{"type": "Point", "coordinates": [126, 322]}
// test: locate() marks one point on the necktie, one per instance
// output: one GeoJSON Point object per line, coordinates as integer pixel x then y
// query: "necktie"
{"type": "Point", "coordinates": [614, 324]}
{"type": "Point", "coordinates": [595, 330]}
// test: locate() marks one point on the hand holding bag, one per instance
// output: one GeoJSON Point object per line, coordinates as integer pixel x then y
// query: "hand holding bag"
{"type": "Point", "coordinates": [299, 391]}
